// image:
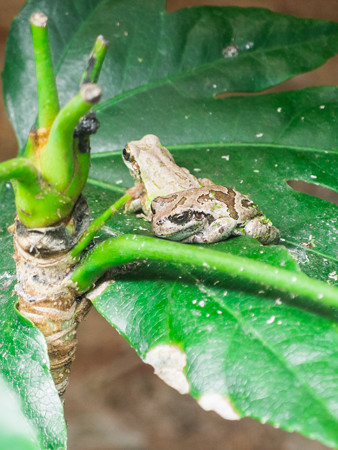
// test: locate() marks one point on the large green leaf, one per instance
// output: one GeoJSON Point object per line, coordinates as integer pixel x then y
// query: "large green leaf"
{"type": "Point", "coordinates": [23, 350]}
{"type": "Point", "coordinates": [241, 352]}
{"type": "Point", "coordinates": [253, 352]}
{"type": "Point", "coordinates": [199, 51]}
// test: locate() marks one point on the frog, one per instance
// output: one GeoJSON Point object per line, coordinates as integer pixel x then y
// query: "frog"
{"type": "Point", "coordinates": [155, 174]}
{"type": "Point", "coordinates": [209, 214]}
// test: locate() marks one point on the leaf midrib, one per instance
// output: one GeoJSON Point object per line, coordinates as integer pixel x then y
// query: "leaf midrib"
{"type": "Point", "coordinates": [203, 146]}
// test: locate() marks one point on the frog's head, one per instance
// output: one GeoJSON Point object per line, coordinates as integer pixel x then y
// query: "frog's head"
{"type": "Point", "coordinates": [138, 154]}
{"type": "Point", "coordinates": [130, 155]}
{"type": "Point", "coordinates": [175, 217]}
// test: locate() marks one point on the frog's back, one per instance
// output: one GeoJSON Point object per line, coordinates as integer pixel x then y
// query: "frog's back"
{"type": "Point", "coordinates": [163, 177]}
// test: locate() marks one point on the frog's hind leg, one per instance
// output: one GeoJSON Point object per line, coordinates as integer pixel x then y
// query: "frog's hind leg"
{"type": "Point", "coordinates": [205, 182]}
{"type": "Point", "coordinates": [261, 228]}
{"type": "Point", "coordinates": [219, 230]}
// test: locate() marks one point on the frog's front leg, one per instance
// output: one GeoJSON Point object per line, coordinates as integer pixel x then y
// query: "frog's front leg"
{"type": "Point", "coordinates": [261, 228]}
{"type": "Point", "coordinates": [137, 194]}
{"type": "Point", "coordinates": [218, 230]}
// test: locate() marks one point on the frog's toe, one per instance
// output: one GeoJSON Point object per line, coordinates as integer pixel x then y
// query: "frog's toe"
{"type": "Point", "coordinates": [262, 229]}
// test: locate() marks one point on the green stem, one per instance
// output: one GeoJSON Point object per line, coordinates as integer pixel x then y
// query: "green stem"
{"type": "Point", "coordinates": [123, 249]}
{"type": "Point", "coordinates": [20, 169]}
{"type": "Point", "coordinates": [92, 72]}
{"type": "Point", "coordinates": [95, 226]}
{"type": "Point", "coordinates": [57, 158]}
{"type": "Point", "coordinates": [46, 85]}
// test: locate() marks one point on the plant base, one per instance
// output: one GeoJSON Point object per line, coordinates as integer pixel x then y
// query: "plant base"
{"type": "Point", "coordinates": [43, 264]}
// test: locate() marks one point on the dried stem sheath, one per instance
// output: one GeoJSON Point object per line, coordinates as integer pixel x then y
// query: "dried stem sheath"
{"type": "Point", "coordinates": [43, 263]}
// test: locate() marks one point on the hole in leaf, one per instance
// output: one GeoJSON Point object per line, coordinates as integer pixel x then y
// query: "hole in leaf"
{"type": "Point", "coordinates": [314, 189]}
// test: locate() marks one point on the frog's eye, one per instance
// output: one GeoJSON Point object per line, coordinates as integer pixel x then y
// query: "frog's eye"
{"type": "Point", "coordinates": [181, 218]}
{"type": "Point", "coordinates": [198, 215]}
{"type": "Point", "coordinates": [126, 154]}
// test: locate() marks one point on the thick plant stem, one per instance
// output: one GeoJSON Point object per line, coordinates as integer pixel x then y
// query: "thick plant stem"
{"type": "Point", "coordinates": [124, 249]}
{"type": "Point", "coordinates": [95, 226]}
{"type": "Point", "coordinates": [43, 264]}
{"type": "Point", "coordinates": [96, 58]}
{"type": "Point", "coordinates": [21, 170]}
{"type": "Point", "coordinates": [47, 93]}
{"type": "Point", "coordinates": [57, 158]}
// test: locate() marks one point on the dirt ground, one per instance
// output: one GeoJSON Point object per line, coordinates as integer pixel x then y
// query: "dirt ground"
{"type": "Point", "coordinates": [114, 401]}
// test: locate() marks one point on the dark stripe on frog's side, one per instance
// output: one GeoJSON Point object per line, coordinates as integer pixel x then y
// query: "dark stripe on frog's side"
{"type": "Point", "coordinates": [228, 199]}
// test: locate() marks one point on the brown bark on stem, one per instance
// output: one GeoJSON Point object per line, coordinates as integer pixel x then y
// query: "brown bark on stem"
{"type": "Point", "coordinates": [43, 264]}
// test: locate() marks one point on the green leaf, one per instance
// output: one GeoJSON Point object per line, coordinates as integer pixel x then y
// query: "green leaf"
{"type": "Point", "coordinates": [15, 432]}
{"type": "Point", "coordinates": [200, 51]}
{"type": "Point", "coordinates": [247, 346]}
{"type": "Point", "coordinates": [23, 349]}
{"type": "Point", "coordinates": [259, 355]}
{"type": "Point", "coordinates": [249, 354]}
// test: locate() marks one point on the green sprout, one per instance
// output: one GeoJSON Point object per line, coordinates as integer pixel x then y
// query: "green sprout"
{"type": "Point", "coordinates": [50, 177]}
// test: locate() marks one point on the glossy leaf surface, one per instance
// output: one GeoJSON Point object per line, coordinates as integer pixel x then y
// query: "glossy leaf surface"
{"type": "Point", "coordinates": [257, 350]}
{"type": "Point", "coordinates": [250, 352]}
{"type": "Point", "coordinates": [199, 52]}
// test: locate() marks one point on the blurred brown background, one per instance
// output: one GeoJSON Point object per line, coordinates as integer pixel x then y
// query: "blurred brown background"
{"type": "Point", "coordinates": [114, 402]}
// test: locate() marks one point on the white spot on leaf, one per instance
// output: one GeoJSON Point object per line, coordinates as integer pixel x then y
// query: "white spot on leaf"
{"type": "Point", "coordinates": [220, 404]}
{"type": "Point", "coordinates": [230, 51]}
{"type": "Point", "coordinates": [168, 362]}
{"type": "Point", "coordinates": [333, 275]}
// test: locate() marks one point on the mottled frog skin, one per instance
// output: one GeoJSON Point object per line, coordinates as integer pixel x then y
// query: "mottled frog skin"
{"type": "Point", "coordinates": [184, 208]}
{"type": "Point", "coordinates": [155, 173]}
{"type": "Point", "coordinates": [210, 214]}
